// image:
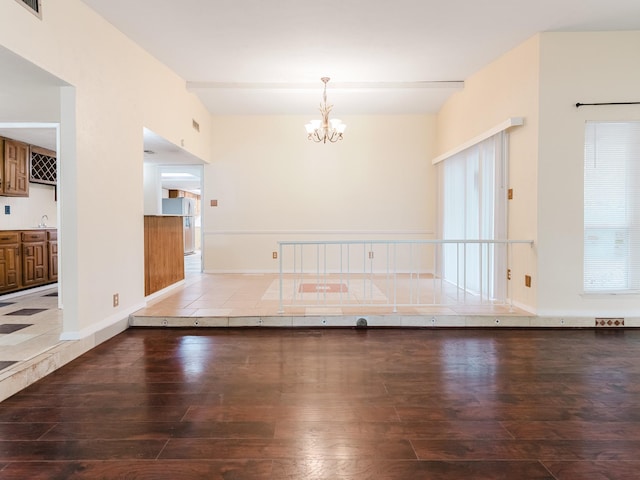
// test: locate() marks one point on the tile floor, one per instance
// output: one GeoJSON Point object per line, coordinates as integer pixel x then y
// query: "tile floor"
{"type": "Point", "coordinates": [257, 295]}
{"type": "Point", "coordinates": [29, 325]}
{"type": "Point", "coordinates": [30, 346]}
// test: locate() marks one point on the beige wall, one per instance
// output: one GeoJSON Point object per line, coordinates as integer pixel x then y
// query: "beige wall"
{"type": "Point", "coordinates": [585, 68]}
{"type": "Point", "coordinates": [115, 90]}
{"type": "Point", "coordinates": [505, 88]}
{"type": "Point", "coordinates": [27, 212]}
{"type": "Point", "coordinates": [272, 184]}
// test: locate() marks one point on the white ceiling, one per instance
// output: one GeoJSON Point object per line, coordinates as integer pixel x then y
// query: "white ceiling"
{"type": "Point", "coordinates": [41, 137]}
{"type": "Point", "coordinates": [261, 57]}
{"type": "Point", "coordinates": [18, 73]}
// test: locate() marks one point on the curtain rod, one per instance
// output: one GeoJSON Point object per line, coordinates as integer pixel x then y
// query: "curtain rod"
{"type": "Point", "coordinates": [578, 105]}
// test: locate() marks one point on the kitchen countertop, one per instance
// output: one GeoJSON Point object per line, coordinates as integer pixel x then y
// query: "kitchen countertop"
{"type": "Point", "coordinates": [27, 228]}
{"type": "Point", "coordinates": [168, 215]}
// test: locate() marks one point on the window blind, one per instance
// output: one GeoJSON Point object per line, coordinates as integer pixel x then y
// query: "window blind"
{"type": "Point", "coordinates": [612, 207]}
{"type": "Point", "coordinates": [472, 186]}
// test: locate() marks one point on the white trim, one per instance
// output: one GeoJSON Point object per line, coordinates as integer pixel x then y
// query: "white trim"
{"type": "Point", "coordinates": [159, 293]}
{"type": "Point", "coordinates": [29, 291]}
{"type": "Point", "coordinates": [29, 124]}
{"type": "Point", "coordinates": [121, 318]}
{"type": "Point", "coordinates": [609, 294]}
{"type": "Point", "coordinates": [507, 124]}
{"type": "Point", "coordinates": [318, 232]}
{"type": "Point", "coordinates": [455, 84]}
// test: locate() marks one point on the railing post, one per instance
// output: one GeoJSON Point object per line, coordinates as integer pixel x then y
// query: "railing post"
{"type": "Point", "coordinates": [457, 272]}
{"type": "Point", "coordinates": [410, 273]}
{"type": "Point", "coordinates": [509, 290]}
{"type": "Point", "coordinates": [364, 270]}
{"type": "Point", "coordinates": [281, 300]}
{"type": "Point", "coordinates": [435, 272]}
{"type": "Point", "coordinates": [395, 278]}
{"type": "Point", "coordinates": [317, 271]}
{"type": "Point", "coordinates": [341, 268]}
{"type": "Point", "coordinates": [386, 277]}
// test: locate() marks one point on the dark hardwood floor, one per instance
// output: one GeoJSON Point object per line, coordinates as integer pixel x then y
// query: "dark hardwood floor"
{"type": "Point", "coordinates": [334, 404]}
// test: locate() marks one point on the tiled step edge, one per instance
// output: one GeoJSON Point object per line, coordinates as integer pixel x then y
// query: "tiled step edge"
{"type": "Point", "coordinates": [472, 321]}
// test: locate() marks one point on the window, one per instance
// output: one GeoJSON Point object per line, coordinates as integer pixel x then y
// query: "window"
{"type": "Point", "coordinates": [612, 207]}
{"type": "Point", "coordinates": [473, 207]}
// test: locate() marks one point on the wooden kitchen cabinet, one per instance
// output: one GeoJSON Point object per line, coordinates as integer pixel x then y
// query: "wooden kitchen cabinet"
{"type": "Point", "coordinates": [28, 258]}
{"type": "Point", "coordinates": [9, 261]}
{"type": "Point", "coordinates": [35, 258]}
{"type": "Point", "coordinates": [14, 168]}
{"type": "Point", "coordinates": [52, 247]}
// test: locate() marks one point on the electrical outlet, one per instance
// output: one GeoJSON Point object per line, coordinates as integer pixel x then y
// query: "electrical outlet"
{"type": "Point", "coordinates": [275, 255]}
{"type": "Point", "coordinates": [116, 299]}
{"type": "Point", "coordinates": [370, 254]}
{"type": "Point", "coordinates": [527, 281]}
{"type": "Point", "coordinates": [7, 209]}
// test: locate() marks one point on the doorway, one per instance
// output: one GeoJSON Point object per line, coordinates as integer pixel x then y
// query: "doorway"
{"type": "Point", "coordinates": [173, 179]}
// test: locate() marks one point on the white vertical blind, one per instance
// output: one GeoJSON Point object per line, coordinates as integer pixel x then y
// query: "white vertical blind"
{"type": "Point", "coordinates": [473, 207]}
{"type": "Point", "coordinates": [612, 207]}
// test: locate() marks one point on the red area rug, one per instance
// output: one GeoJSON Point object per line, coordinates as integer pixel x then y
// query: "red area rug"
{"type": "Point", "coordinates": [322, 288]}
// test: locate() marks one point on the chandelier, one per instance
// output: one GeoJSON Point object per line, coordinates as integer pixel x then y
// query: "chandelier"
{"type": "Point", "coordinates": [325, 130]}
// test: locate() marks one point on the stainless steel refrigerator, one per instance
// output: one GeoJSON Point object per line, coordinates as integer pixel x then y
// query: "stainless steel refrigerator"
{"type": "Point", "coordinates": [186, 208]}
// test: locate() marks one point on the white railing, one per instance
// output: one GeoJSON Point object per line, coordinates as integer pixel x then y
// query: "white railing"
{"type": "Point", "coordinates": [395, 273]}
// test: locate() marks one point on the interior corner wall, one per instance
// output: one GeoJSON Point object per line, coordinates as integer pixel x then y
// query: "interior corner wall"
{"type": "Point", "coordinates": [585, 67]}
{"type": "Point", "coordinates": [272, 184]}
{"type": "Point", "coordinates": [118, 90]}
{"type": "Point", "coordinates": [508, 87]}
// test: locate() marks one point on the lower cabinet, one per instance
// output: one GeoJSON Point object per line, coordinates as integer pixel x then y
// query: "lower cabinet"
{"type": "Point", "coordinates": [9, 261]}
{"type": "Point", "coordinates": [35, 259]}
{"type": "Point", "coordinates": [52, 245]}
{"type": "Point", "coordinates": [27, 259]}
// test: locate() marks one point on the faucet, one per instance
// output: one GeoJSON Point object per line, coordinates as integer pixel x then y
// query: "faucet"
{"type": "Point", "coordinates": [43, 221]}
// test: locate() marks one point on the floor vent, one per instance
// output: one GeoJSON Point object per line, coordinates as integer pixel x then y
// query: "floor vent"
{"type": "Point", "coordinates": [33, 6]}
{"type": "Point", "coordinates": [609, 322]}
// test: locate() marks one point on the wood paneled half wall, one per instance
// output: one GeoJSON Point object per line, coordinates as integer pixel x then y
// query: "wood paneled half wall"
{"type": "Point", "coordinates": [163, 252]}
